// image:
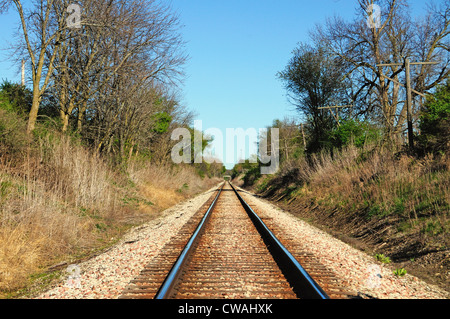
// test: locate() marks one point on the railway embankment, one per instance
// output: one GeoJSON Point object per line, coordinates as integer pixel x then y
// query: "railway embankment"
{"type": "Point", "coordinates": [107, 275]}
{"type": "Point", "coordinates": [392, 206]}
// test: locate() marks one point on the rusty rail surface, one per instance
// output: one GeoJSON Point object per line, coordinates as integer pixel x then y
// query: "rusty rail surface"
{"type": "Point", "coordinates": [229, 252]}
{"type": "Point", "coordinates": [167, 287]}
{"type": "Point", "coordinates": [301, 282]}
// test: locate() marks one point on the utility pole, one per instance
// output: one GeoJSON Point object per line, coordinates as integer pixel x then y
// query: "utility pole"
{"type": "Point", "coordinates": [337, 107]}
{"type": "Point", "coordinates": [303, 134]}
{"type": "Point", "coordinates": [409, 104]}
{"type": "Point", "coordinates": [23, 72]}
{"type": "Point", "coordinates": [409, 91]}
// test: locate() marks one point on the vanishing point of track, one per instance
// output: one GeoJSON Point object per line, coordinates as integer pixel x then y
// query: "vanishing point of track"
{"type": "Point", "coordinates": [227, 251]}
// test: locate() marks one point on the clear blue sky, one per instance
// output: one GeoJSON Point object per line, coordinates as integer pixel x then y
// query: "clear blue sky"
{"type": "Point", "coordinates": [236, 47]}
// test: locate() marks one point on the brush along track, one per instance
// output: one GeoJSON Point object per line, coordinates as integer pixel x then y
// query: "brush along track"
{"type": "Point", "coordinates": [230, 259]}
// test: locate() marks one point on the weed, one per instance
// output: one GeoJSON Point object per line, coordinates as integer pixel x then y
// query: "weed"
{"type": "Point", "coordinates": [374, 210]}
{"type": "Point", "coordinates": [405, 226]}
{"type": "Point", "coordinates": [433, 228]}
{"type": "Point", "coordinates": [399, 206]}
{"type": "Point", "coordinates": [400, 272]}
{"type": "Point", "coordinates": [382, 258]}
{"type": "Point", "coordinates": [4, 188]}
{"type": "Point", "coordinates": [101, 227]}
{"type": "Point", "coordinates": [185, 187]}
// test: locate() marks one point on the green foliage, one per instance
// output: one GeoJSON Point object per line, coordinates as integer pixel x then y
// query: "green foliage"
{"type": "Point", "coordinates": [352, 131]}
{"type": "Point", "coordinates": [210, 170]}
{"type": "Point", "coordinates": [375, 210]}
{"type": "Point", "coordinates": [264, 184]}
{"type": "Point", "coordinates": [15, 97]}
{"type": "Point", "coordinates": [236, 171]}
{"type": "Point", "coordinates": [433, 228]}
{"type": "Point", "coordinates": [400, 272]}
{"type": "Point", "coordinates": [382, 258]}
{"type": "Point", "coordinates": [14, 102]}
{"type": "Point", "coordinates": [252, 175]}
{"type": "Point", "coordinates": [435, 121]}
{"type": "Point", "coordinates": [205, 142]}
{"type": "Point", "coordinates": [162, 122]}
{"type": "Point", "coordinates": [313, 78]}
{"type": "Point", "coordinates": [251, 171]}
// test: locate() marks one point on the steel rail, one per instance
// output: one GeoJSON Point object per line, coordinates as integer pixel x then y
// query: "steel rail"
{"type": "Point", "coordinates": [301, 282]}
{"type": "Point", "coordinates": [166, 289]}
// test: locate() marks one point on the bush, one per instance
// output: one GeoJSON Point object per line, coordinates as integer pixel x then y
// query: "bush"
{"type": "Point", "coordinates": [352, 131]}
{"type": "Point", "coordinates": [435, 122]}
{"type": "Point", "coordinates": [162, 122]}
{"type": "Point", "coordinates": [252, 175]}
{"type": "Point", "coordinates": [15, 97]}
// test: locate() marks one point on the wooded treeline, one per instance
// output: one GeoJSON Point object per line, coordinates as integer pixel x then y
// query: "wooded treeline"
{"type": "Point", "coordinates": [344, 64]}
{"type": "Point", "coordinates": [105, 70]}
{"type": "Point", "coordinates": [347, 162]}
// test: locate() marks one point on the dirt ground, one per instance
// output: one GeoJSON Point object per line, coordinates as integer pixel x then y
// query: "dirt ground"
{"type": "Point", "coordinates": [409, 252]}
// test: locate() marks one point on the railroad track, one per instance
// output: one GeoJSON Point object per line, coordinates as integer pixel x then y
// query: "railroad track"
{"type": "Point", "coordinates": [230, 252]}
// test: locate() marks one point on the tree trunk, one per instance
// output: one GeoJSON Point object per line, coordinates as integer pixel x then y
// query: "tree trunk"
{"type": "Point", "coordinates": [65, 120]}
{"type": "Point", "coordinates": [34, 108]}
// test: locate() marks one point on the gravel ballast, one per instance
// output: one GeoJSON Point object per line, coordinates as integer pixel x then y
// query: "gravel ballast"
{"type": "Point", "coordinates": [361, 274]}
{"type": "Point", "coordinates": [107, 275]}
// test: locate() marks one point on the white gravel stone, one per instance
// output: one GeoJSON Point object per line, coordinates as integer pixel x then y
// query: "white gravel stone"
{"type": "Point", "coordinates": [105, 276]}
{"type": "Point", "coordinates": [358, 270]}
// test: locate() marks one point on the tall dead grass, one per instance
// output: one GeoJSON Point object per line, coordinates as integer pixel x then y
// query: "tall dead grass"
{"type": "Point", "coordinates": [60, 200]}
{"type": "Point", "coordinates": [401, 194]}
{"type": "Point", "coordinates": [167, 185]}
{"type": "Point", "coordinates": [50, 204]}
{"type": "Point", "coordinates": [76, 174]}
{"type": "Point", "coordinates": [387, 183]}
{"type": "Point", "coordinates": [19, 256]}
{"type": "Point", "coordinates": [378, 199]}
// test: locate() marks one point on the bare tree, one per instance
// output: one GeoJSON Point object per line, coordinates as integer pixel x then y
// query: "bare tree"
{"type": "Point", "coordinates": [431, 42]}
{"type": "Point", "coordinates": [41, 30]}
{"type": "Point", "coordinates": [115, 39]}
{"type": "Point", "coordinates": [378, 89]}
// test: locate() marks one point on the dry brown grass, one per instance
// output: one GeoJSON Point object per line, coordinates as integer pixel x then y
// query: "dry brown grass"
{"type": "Point", "coordinates": [50, 204]}
{"type": "Point", "coordinates": [19, 256]}
{"type": "Point", "coordinates": [166, 186]}
{"type": "Point", "coordinates": [76, 174]}
{"type": "Point", "coordinates": [162, 197]}
{"type": "Point", "coordinates": [382, 200]}
{"type": "Point", "coordinates": [60, 200]}
{"type": "Point", "coordinates": [182, 178]}
{"type": "Point", "coordinates": [400, 195]}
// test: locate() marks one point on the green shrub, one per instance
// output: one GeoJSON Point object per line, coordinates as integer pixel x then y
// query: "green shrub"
{"type": "Point", "coordinates": [435, 122]}
{"type": "Point", "coordinates": [252, 175]}
{"type": "Point", "coordinates": [15, 97]}
{"type": "Point", "coordinates": [352, 131]}
{"type": "Point", "coordinates": [162, 122]}
{"type": "Point", "coordinates": [433, 228]}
